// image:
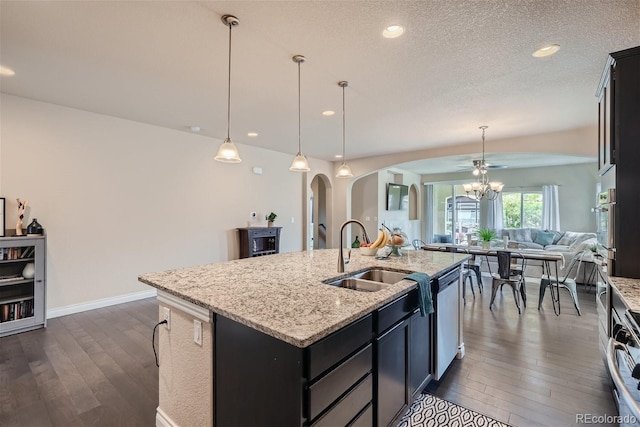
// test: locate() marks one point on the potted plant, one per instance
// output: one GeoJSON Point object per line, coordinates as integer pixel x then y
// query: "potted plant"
{"type": "Point", "coordinates": [486, 235]}
{"type": "Point", "coordinates": [270, 218]}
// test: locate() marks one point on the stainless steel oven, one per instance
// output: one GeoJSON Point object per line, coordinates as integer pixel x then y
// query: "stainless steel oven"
{"type": "Point", "coordinates": [623, 360]}
{"type": "Point", "coordinates": [605, 222]}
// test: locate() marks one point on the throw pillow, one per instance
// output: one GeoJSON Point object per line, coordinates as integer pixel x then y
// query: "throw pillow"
{"type": "Point", "coordinates": [586, 244]}
{"type": "Point", "coordinates": [557, 235]}
{"type": "Point", "coordinates": [544, 238]}
{"type": "Point", "coordinates": [568, 238]}
{"type": "Point", "coordinates": [520, 235]}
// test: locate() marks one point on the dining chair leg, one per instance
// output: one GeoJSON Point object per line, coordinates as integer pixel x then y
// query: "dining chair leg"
{"type": "Point", "coordinates": [543, 287]}
{"type": "Point", "coordinates": [494, 291]}
{"type": "Point", "coordinates": [471, 285]}
{"type": "Point", "coordinates": [523, 292]}
{"type": "Point", "coordinates": [516, 297]}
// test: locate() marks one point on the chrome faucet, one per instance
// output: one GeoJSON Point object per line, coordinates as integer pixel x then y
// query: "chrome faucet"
{"type": "Point", "coordinates": [341, 254]}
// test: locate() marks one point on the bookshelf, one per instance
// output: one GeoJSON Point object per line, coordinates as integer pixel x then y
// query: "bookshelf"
{"type": "Point", "coordinates": [22, 299]}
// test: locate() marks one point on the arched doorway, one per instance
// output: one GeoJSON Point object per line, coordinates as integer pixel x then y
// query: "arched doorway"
{"type": "Point", "coordinates": [319, 236]}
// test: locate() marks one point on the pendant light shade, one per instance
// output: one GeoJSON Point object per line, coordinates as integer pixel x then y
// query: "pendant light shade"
{"type": "Point", "coordinates": [228, 153]}
{"type": "Point", "coordinates": [300, 163]}
{"type": "Point", "coordinates": [344, 171]}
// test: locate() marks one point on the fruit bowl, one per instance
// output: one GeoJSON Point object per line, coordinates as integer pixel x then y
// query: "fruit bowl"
{"type": "Point", "coordinates": [368, 251]}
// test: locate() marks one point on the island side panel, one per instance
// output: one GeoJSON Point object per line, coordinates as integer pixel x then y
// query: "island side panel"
{"type": "Point", "coordinates": [259, 378]}
{"type": "Point", "coordinates": [186, 368]}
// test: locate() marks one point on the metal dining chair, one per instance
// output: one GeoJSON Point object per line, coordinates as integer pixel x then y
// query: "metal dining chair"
{"type": "Point", "coordinates": [466, 272]}
{"type": "Point", "coordinates": [512, 274]}
{"type": "Point", "coordinates": [566, 282]}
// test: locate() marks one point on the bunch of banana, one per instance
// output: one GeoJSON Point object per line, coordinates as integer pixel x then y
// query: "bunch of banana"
{"type": "Point", "coordinates": [383, 236]}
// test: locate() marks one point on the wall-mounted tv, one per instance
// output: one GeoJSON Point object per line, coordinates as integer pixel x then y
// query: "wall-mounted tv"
{"type": "Point", "coordinates": [397, 197]}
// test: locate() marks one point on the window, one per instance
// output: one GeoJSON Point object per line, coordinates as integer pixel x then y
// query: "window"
{"type": "Point", "coordinates": [451, 214]}
{"type": "Point", "coordinates": [522, 209]}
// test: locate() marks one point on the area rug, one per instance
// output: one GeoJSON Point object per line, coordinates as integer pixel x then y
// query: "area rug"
{"type": "Point", "coordinates": [430, 411]}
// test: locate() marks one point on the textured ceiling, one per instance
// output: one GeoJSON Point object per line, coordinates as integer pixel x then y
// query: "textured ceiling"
{"type": "Point", "coordinates": [459, 64]}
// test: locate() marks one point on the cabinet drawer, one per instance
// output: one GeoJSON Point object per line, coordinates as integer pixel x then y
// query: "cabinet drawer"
{"type": "Point", "coordinates": [396, 310]}
{"type": "Point", "coordinates": [349, 406]}
{"type": "Point", "coordinates": [365, 419]}
{"type": "Point", "coordinates": [332, 349]}
{"type": "Point", "coordinates": [331, 386]}
{"type": "Point", "coordinates": [267, 232]}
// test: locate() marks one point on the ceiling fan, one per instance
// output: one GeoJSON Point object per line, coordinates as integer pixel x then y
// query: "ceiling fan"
{"type": "Point", "coordinates": [477, 163]}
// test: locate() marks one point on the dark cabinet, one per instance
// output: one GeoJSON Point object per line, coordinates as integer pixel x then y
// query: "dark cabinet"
{"type": "Point", "coordinates": [257, 241]}
{"type": "Point", "coordinates": [403, 348]}
{"type": "Point", "coordinates": [393, 363]}
{"type": "Point", "coordinates": [619, 141]}
{"type": "Point", "coordinates": [419, 353]}
{"type": "Point", "coordinates": [365, 374]}
{"type": "Point", "coordinates": [606, 107]}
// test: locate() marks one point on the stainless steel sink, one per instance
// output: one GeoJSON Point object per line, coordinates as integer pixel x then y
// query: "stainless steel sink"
{"type": "Point", "coordinates": [368, 281]}
{"type": "Point", "coordinates": [379, 275]}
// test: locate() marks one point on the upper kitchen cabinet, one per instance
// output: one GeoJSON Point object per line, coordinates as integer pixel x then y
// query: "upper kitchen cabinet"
{"type": "Point", "coordinates": [619, 139]}
{"type": "Point", "coordinates": [618, 103]}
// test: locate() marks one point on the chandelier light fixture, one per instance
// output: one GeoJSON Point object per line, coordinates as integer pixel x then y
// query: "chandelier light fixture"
{"type": "Point", "coordinates": [228, 153]}
{"type": "Point", "coordinates": [482, 187]}
{"type": "Point", "coordinates": [344, 171]}
{"type": "Point", "coordinates": [300, 163]}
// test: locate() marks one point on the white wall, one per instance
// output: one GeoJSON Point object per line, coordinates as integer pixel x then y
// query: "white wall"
{"type": "Point", "coordinates": [364, 204]}
{"type": "Point", "coordinates": [119, 198]}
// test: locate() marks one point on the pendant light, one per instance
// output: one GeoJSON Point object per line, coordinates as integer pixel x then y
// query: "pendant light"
{"type": "Point", "coordinates": [344, 171]}
{"type": "Point", "coordinates": [228, 153]}
{"type": "Point", "coordinates": [300, 163]}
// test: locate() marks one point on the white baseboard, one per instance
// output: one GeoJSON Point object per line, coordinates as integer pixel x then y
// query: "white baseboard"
{"type": "Point", "coordinates": [162, 420]}
{"type": "Point", "coordinates": [105, 302]}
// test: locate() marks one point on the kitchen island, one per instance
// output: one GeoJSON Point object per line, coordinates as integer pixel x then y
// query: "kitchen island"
{"type": "Point", "coordinates": [277, 346]}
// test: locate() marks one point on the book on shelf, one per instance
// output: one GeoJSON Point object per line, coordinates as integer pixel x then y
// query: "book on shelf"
{"type": "Point", "coordinates": [16, 310]}
{"type": "Point", "coordinates": [8, 254]}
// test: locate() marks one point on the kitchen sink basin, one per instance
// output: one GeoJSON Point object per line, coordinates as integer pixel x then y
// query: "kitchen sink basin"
{"type": "Point", "coordinates": [379, 275]}
{"type": "Point", "coordinates": [368, 281]}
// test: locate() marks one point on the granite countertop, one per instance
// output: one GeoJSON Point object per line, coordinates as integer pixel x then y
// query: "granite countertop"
{"type": "Point", "coordinates": [629, 290]}
{"type": "Point", "coordinates": [283, 295]}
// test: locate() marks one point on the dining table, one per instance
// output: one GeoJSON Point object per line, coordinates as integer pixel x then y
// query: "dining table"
{"type": "Point", "coordinates": [546, 257]}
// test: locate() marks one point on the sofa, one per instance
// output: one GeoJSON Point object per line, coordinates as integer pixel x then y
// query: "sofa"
{"type": "Point", "coordinates": [569, 243]}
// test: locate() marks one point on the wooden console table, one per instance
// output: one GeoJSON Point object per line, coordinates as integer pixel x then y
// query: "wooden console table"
{"type": "Point", "coordinates": [258, 241]}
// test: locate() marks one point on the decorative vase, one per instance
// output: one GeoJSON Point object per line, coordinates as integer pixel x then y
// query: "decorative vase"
{"type": "Point", "coordinates": [486, 244]}
{"type": "Point", "coordinates": [269, 223]}
{"type": "Point", "coordinates": [34, 229]}
{"type": "Point", "coordinates": [29, 271]}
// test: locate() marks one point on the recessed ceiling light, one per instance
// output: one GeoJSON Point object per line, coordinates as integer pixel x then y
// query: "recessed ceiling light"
{"type": "Point", "coordinates": [4, 71]}
{"type": "Point", "coordinates": [338, 156]}
{"type": "Point", "coordinates": [546, 51]}
{"type": "Point", "coordinates": [194, 129]}
{"type": "Point", "coordinates": [252, 134]}
{"type": "Point", "coordinates": [393, 31]}
{"type": "Point", "coordinates": [328, 113]}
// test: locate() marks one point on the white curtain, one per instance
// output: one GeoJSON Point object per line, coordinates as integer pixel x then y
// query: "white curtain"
{"type": "Point", "coordinates": [550, 208]}
{"type": "Point", "coordinates": [494, 213]}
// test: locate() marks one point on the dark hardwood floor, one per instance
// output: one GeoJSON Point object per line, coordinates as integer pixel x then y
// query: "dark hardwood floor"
{"type": "Point", "coordinates": [88, 369]}
{"type": "Point", "coordinates": [533, 369]}
{"type": "Point", "coordinates": [97, 368]}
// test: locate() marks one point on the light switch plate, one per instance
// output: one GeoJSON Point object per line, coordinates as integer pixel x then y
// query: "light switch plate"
{"type": "Point", "coordinates": [197, 332]}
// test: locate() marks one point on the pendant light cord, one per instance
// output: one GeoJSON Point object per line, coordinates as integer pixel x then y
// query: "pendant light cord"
{"type": "Point", "coordinates": [229, 87]}
{"type": "Point", "coordinates": [299, 126]}
{"type": "Point", "coordinates": [343, 125]}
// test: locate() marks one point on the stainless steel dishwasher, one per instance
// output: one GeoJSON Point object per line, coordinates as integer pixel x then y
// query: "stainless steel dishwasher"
{"type": "Point", "coordinates": [446, 291]}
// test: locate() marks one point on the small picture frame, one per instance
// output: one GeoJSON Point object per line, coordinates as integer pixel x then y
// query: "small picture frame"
{"type": "Point", "coordinates": [2, 205]}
